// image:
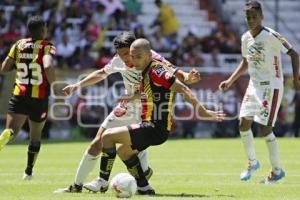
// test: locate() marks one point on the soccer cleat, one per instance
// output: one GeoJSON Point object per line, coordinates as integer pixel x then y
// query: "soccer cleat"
{"type": "Point", "coordinates": [146, 190]}
{"type": "Point", "coordinates": [27, 177]}
{"type": "Point", "coordinates": [4, 138]}
{"type": "Point", "coordinates": [74, 188]}
{"type": "Point", "coordinates": [97, 185]}
{"type": "Point", "coordinates": [148, 173]}
{"type": "Point", "coordinates": [273, 178]}
{"type": "Point", "coordinates": [246, 174]}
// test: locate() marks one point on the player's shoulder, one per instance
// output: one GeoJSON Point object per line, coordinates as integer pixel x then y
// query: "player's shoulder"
{"type": "Point", "coordinates": [158, 67]}
{"type": "Point", "coordinates": [245, 35]}
{"type": "Point", "coordinates": [272, 33]}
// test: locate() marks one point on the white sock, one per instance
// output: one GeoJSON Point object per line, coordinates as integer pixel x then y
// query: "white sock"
{"type": "Point", "coordinates": [86, 165]}
{"type": "Point", "coordinates": [273, 152]}
{"type": "Point", "coordinates": [143, 160]}
{"type": "Point", "coordinates": [247, 138]}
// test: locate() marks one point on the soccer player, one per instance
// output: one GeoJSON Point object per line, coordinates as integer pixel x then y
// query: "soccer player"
{"type": "Point", "coordinates": [261, 47]}
{"type": "Point", "coordinates": [157, 92]}
{"type": "Point", "coordinates": [32, 59]}
{"type": "Point", "coordinates": [122, 114]}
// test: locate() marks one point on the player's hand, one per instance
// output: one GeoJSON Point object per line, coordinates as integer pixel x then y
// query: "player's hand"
{"type": "Point", "coordinates": [215, 115]}
{"type": "Point", "coordinates": [69, 89]}
{"type": "Point", "coordinates": [224, 85]}
{"type": "Point", "coordinates": [193, 77]}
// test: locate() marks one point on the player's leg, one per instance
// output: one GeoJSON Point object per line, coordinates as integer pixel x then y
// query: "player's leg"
{"type": "Point", "coordinates": [14, 123]}
{"type": "Point", "coordinates": [132, 162]}
{"type": "Point", "coordinates": [86, 165]}
{"type": "Point", "coordinates": [277, 172]}
{"type": "Point", "coordinates": [34, 146]}
{"type": "Point", "coordinates": [248, 143]}
{"type": "Point", "coordinates": [270, 106]}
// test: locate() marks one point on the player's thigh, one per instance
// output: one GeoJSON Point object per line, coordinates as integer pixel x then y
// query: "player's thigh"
{"type": "Point", "coordinates": [265, 130]}
{"type": "Point", "coordinates": [117, 135]}
{"type": "Point", "coordinates": [245, 123]}
{"type": "Point", "coordinates": [35, 130]}
{"type": "Point", "coordinates": [15, 121]}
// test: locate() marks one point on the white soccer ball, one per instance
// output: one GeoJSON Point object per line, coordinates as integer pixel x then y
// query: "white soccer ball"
{"type": "Point", "coordinates": [123, 185]}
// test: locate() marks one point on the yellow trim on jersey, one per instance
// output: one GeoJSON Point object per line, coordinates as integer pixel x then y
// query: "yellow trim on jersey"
{"type": "Point", "coordinates": [16, 90]}
{"type": "Point", "coordinates": [148, 92]}
{"type": "Point", "coordinates": [170, 105]}
{"type": "Point", "coordinates": [12, 51]}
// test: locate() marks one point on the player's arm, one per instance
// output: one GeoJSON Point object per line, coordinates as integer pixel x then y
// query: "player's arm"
{"type": "Point", "coordinates": [91, 79]}
{"type": "Point", "coordinates": [7, 65]}
{"type": "Point", "coordinates": [236, 74]}
{"type": "Point", "coordinates": [49, 68]}
{"type": "Point", "coordinates": [188, 78]}
{"type": "Point", "coordinates": [295, 64]}
{"type": "Point", "coordinates": [179, 87]}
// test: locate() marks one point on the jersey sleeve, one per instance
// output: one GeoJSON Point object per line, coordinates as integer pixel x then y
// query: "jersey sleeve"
{"type": "Point", "coordinates": [244, 46]}
{"type": "Point", "coordinates": [50, 49]}
{"type": "Point", "coordinates": [280, 42]}
{"type": "Point", "coordinates": [112, 66]}
{"type": "Point", "coordinates": [12, 52]}
{"type": "Point", "coordinates": [160, 76]}
{"type": "Point", "coordinates": [170, 67]}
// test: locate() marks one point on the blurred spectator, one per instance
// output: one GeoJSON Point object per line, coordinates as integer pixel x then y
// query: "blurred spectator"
{"type": "Point", "coordinates": [103, 58]}
{"type": "Point", "coordinates": [133, 7]}
{"type": "Point", "coordinates": [166, 19]}
{"type": "Point", "coordinates": [65, 50]}
{"type": "Point", "coordinates": [113, 8]}
{"type": "Point", "coordinates": [158, 42]}
{"type": "Point", "coordinates": [3, 22]}
{"type": "Point", "coordinates": [100, 17]}
{"type": "Point", "coordinates": [85, 59]}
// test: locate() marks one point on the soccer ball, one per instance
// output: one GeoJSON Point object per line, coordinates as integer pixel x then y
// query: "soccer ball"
{"type": "Point", "coordinates": [123, 185]}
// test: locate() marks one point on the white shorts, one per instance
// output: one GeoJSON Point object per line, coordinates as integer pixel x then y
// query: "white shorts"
{"type": "Point", "coordinates": [130, 117]}
{"type": "Point", "coordinates": [261, 103]}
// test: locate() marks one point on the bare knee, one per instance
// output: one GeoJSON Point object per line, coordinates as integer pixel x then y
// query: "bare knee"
{"type": "Point", "coordinates": [95, 146]}
{"type": "Point", "coordinates": [245, 124]}
{"type": "Point", "coordinates": [265, 130]}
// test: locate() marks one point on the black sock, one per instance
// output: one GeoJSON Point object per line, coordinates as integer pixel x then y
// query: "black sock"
{"type": "Point", "coordinates": [33, 151]}
{"type": "Point", "coordinates": [107, 161]}
{"type": "Point", "coordinates": [134, 167]}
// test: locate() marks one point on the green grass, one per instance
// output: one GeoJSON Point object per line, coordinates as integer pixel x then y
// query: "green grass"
{"type": "Point", "coordinates": [183, 169]}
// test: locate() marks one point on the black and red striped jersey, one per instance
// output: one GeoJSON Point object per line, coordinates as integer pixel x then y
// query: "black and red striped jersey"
{"type": "Point", "coordinates": [156, 96]}
{"type": "Point", "coordinates": [30, 78]}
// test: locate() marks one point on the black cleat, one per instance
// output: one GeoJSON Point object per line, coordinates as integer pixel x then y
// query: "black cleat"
{"type": "Point", "coordinates": [74, 188]}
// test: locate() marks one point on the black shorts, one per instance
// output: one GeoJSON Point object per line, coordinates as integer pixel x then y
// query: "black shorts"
{"type": "Point", "coordinates": [147, 134]}
{"type": "Point", "coordinates": [35, 109]}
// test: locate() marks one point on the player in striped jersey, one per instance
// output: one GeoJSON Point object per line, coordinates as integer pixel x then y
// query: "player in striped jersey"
{"type": "Point", "coordinates": [157, 90]}
{"type": "Point", "coordinates": [261, 48]}
{"type": "Point", "coordinates": [32, 59]}
{"type": "Point", "coordinates": [121, 116]}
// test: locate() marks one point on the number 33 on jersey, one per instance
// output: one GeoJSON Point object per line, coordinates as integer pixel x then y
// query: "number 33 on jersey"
{"type": "Point", "coordinates": [31, 79]}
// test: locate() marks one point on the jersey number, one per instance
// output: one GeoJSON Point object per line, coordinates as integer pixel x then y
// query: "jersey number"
{"type": "Point", "coordinates": [22, 74]}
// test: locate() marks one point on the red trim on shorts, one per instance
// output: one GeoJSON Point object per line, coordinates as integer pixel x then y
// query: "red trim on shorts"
{"type": "Point", "coordinates": [273, 107]}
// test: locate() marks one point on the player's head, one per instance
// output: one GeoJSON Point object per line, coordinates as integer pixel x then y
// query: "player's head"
{"type": "Point", "coordinates": [253, 13]}
{"type": "Point", "coordinates": [37, 27]}
{"type": "Point", "coordinates": [158, 3]}
{"type": "Point", "coordinates": [122, 44]}
{"type": "Point", "coordinates": [140, 52]}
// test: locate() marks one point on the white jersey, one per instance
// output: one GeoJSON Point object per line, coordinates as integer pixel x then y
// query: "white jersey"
{"type": "Point", "coordinates": [263, 54]}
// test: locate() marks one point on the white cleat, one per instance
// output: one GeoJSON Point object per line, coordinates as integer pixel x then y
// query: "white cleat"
{"type": "Point", "coordinates": [97, 185]}
{"type": "Point", "coordinates": [27, 177]}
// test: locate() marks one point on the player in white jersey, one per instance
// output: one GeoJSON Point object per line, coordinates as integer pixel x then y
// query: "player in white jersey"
{"type": "Point", "coordinates": [261, 51]}
{"type": "Point", "coordinates": [123, 114]}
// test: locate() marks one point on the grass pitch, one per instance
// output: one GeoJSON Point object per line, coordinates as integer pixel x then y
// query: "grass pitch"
{"type": "Point", "coordinates": [183, 169]}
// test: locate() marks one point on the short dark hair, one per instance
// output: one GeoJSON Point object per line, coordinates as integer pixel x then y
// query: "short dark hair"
{"type": "Point", "coordinates": [124, 39]}
{"type": "Point", "coordinates": [252, 4]}
{"type": "Point", "coordinates": [35, 24]}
